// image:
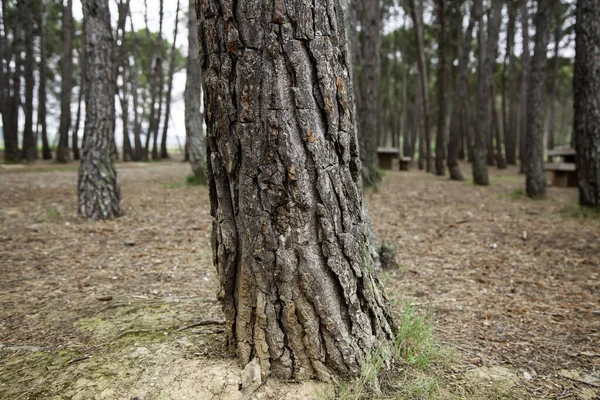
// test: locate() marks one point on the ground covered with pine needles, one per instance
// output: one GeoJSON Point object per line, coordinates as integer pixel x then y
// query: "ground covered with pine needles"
{"type": "Point", "coordinates": [496, 295]}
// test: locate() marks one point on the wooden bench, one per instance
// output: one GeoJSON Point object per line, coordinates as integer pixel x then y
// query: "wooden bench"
{"type": "Point", "coordinates": [405, 163]}
{"type": "Point", "coordinates": [386, 156]}
{"type": "Point", "coordinates": [562, 168]}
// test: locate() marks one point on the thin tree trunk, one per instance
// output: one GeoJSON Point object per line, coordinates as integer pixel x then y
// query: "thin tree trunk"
{"type": "Point", "coordinates": [195, 145]}
{"type": "Point", "coordinates": [586, 104]}
{"type": "Point", "coordinates": [525, 67]}
{"type": "Point", "coordinates": [62, 153]}
{"type": "Point", "coordinates": [553, 78]}
{"type": "Point", "coordinates": [29, 142]}
{"type": "Point", "coordinates": [500, 162]}
{"type": "Point", "coordinates": [152, 78]}
{"type": "Point", "coordinates": [297, 286]}
{"type": "Point", "coordinates": [12, 103]}
{"type": "Point", "coordinates": [459, 120]}
{"type": "Point", "coordinates": [510, 131]}
{"type": "Point", "coordinates": [441, 127]}
{"type": "Point", "coordinates": [122, 69]}
{"type": "Point", "coordinates": [138, 153]}
{"type": "Point", "coordinates": [417, 17]}
{"type": "Point", "coordinates": [535, 178]}
{"type": "Point", "coordinates": [99, 194]}
{"type": "Point", "coordinates": [163, 143]}
{"type": "Point", "coordinates": [75, 133]}
{"type": "Point", "coordinates": [43, 71]}
{"type": "Point", "coordinates": [369, 104]}
{"type": "Point", "coordinates": [160, 83]}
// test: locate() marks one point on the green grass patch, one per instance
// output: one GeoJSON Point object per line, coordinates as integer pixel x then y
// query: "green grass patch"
{"type": "Point", "coordinates": [411, 373]}
{"type": "Point", "coordinates": [574, 210]}
{"type": "Point", "coordinates": [516, 194]}
{"type": "Point", "coordinates": [193, 180]}
{"type": "Point", "coordinates": [52, 214]}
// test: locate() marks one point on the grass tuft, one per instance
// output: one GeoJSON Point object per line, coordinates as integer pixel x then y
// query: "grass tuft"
{"type": "Point", "coordinates": [194, 180]}
{"type": "Point", "coordinates": [516, 194]}
{"type": "Point", "coordinates": [577, 211]}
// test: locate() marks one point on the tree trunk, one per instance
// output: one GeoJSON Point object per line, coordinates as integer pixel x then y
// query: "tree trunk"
{"type": "Point", "coordinates": [417, 17]}
{"type": "Point", "coordinates": [62, 153]}
{"type": "Point", "coordinates": [369, 104]}
{"type": "Point", "coordinates": [75, 133]}
{"type": "Point", "coordinates": [138, 152]}
{"type": "Point", "coordinates": [535, 179]}
{"type": "Point", "coordinates": [553, 78]}
{"type": "Point", "coordinates": [99, 194]}
{"type": "Point", "coordinates": [29, 142]}
{"type": "Point", "coordinates": [195, 145]}
{"type": "Point", "coordinates": [441, 127]}
{"type": "Point", "coordinates": [289, 235]}
{"type": "Point", "coordinates": [460, 112]}
{"type": "Point", "coordinates": [43, 71]}
{"type": "Point", "coordinates": [12, 102]}
{"type": "Point", "coordinates": [487, 53]}
{"type": "Point", "coordinates": [525, 66]}
{"type": "Point", "coordinates": [510, 131]}
{"type": "Point", "coordinates": [586, 95]}
{"type": "Point", "coordinates": [159, 83]}
{"type": "Point", "coordinates": [163, 143]}
{"type": "Point", "coordinates": [122, 70]}
{"type": "Point", "coordinates": [500, 162]}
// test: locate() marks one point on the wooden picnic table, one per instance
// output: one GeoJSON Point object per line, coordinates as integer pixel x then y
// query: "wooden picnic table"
{"type": "Point", "coordinates": [386, 156]}
{"type": "Point", "coordinates": [562, 168]}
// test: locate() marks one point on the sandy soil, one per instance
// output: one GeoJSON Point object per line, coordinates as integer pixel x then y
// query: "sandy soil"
{"type": "Point", "coordinates": [103, 309]}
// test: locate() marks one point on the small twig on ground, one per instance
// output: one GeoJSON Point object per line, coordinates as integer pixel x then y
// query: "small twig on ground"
{"type": "Point", "coordinates": [82, 358]}
{"type": "Point", "coordinates": [206, 322]}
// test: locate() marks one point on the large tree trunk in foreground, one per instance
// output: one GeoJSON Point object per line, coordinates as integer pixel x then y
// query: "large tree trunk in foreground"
{"type": "Point", "coordinates": [195, 147]}
{"type": "Point", "coordinates": [62, 153]}
{"type": "Point", "coordinates": [99, 194]}
{"type": "Point", "coordinates": [525, 67]}
{"type": "Point", "coordinates": [369, 104]}
{"type": "Point", "coordinates": [586, 95]}
{"type": "Point", "coordinates": [460, 113]}
{"type": "Point", "coordinates": [535, 179]}
{"type": "Point", "coordinates": [289, 233]}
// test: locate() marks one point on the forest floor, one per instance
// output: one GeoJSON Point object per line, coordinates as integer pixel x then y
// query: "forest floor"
{"type": "Point", "coordinates": [105, 310]}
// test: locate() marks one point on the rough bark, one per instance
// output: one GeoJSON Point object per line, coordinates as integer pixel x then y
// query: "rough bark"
{"type": "Point", "coordinates": [62, 153]}
{"type": "Point", "coordinates": [553, 78]}
{"type": "Point", "coordinates": [29, 142]}
{"type": "Point", "coordinates": [195, 146]}
{"type": "Point", "coordinates": [368, 106]}
{"type": "Point", "coordinates": [289, 234]}
{"type": "Point", "coordinates": [417, 17]}
{"type": "Point", "coordinates": [99, 194]}
{"type": "Point", "coordinates": [460, 113]}
{"type": "Point", "coordinates": [535, 178]}
{"type": "Point", "coordinates": [586, 94]}
{"type": "Point", "coordinates": [525, 67]}
{"type": "Point", "coordinates": [510, 131]}
{"type": "Point", "coordinates": [441, 88]}
{"type": "Point", "coordinates": [163, 144]}
{"type": "Point", "coordinates": [12, 102]}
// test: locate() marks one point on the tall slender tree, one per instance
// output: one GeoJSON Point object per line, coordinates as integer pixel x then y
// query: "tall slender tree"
{"type": "Point", "coordinates": [163, 143]}
{"type": "Point", "coordinates": [535, 178]}
{"type": "Point", "coordinates": [62, 153]}
{"type": "Point", "coordinates": [42, 86]}
{"type": "Point", "coordinates": [525, 67]}
{"type": "Point", "coordinates": [586, 105]}
{"type": "Point", "coordinates": [510, 130]}
{"type": "Point", "coordinates": [12, 101]}
{"type": "Point", "coordinates": [99, 193]}
{"type": "Point", "coordinates": [29, 142]}
{"type": "Point", "coordinates": [368, 106]}
{"type": "Point", "coordinates": [159, 82]}
{"type": "Point", "coordinates": [279, 168]}
{"type": "Point", "coordinates": [558, 20]}
{"type": "Point", "coordinates": [80, 91]}
{"type": "Point", "coordinates": [441, 88]}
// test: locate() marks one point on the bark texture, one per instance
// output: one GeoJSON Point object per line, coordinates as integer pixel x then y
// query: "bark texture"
{"type": "Point", "coordinates": [29, 142]}
{"type": "Point", "coordinates": [440, 138]}
{"type": "Point", "coordinates": [535, 178]}
{"type": "Point", "coordinates": [195, 144]}
{"type": "Point", "coordinates": [553, 78]}
{"type": "Point", "coordinates": [459, 122]}
{"type": "Point", "coordinates": [42, 111]}
{"type": "Point", "coordinates": [525, 67]}
{"type": "Point", "coordinates": [510, 130]}
{"type": "Point", "coordinates": [289, 238]}
{"type": "Point", "coordinates": [62, 153]}
{"type": "Point", "coordinates": [586, 92]}
{"type": "Point", "coordinates": [368, 106]}
{"type": "Point", "coordinates": [99, 194]}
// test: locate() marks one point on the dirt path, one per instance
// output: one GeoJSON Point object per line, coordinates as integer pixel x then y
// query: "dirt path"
{"type": "Point", "coordinates": [512, 285]}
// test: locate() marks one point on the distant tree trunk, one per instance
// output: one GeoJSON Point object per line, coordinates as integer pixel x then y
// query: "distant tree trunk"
{"type": "Point", "coordinates": [43, 71]}
{"type": "Point", "coordinates": [159, 83]}
{"type": "Point", "coordinates": [525, 66]}
{"type": "Point", "coordinates": [500, 162]}
{"type": "Point", "coordinates": [586, 95]}
{"type": "Point", "coordinates": [195, 145]}
{"type": "Point", "coordinates": [151, 54]}
{"type": "Point", "coordinates": [369, 104]}
{"type": "Point", "coordinates": [417, 17]}
{"type": "Point", "coordinates": [510, 131]}
{"type": "Point", "coordinates": [296, 281]}
{"type": "Point", "coordinates": [441, 89]}
{"type": "Point", "coordinates": [62, 153]}
{"type": "Point", "coordinates": [553, 78]}
{"type": "Point", "coordinates": [13, 102]}
{"type": "Point", "coordinates": [163, 144]}
{"type": "Point", "coordinates": [29, 142]}
{"type": "Point", "coordinates": [494, 21]}
{"type": "Point", "coordinates": [460, 114]}
{"type": "Point", "coordinates": [99, 194]}
{"type": "Point", "coordinates": [138, 153]}
{"type": "Point", "coordinates": [535, 177]}
{"type": "Point", "coordinates": [75, 133]}
{"type": "Point", "coordinates": [122, 70]}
